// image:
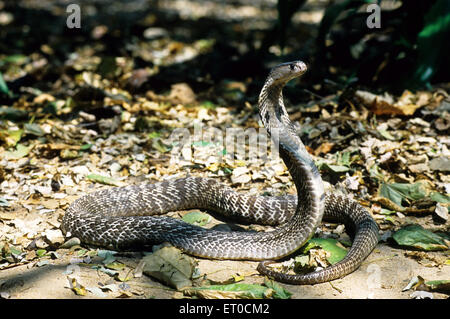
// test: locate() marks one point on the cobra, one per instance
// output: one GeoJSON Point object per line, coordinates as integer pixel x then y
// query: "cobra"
{"type": "Point", "coordinates": [129, 217]}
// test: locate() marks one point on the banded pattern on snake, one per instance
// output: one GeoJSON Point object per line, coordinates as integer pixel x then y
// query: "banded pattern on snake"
{"type": "Point", "coordinates": [122, 217]}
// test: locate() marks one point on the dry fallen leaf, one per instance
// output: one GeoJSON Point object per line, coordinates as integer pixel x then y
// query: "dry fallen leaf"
{"type": "Point", "coordinates": [171, 266]}
{"type": "Point", "coordinates": [323, 148]}
{"type": "Point", "coordinates": [380, 105]}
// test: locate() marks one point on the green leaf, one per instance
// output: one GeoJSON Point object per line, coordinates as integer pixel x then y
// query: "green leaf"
{"type": "Point", "coordinates": [375, 172]}
{"type": "Point", "coordinates": [437, 282]}
{"type": "Point", "coordinates": [208, 105]}
{"type": "Point", "coordinates": [16, 135]}
{"type": "Point", "coordinates": [11, 137]}
{"type": "Point", "coordinates": [435, 34]}
{"type": "Point", "coordinates": [332, 168]}
{"type": "Point", "coordinates": [337, 168]}
{"type": "Point", "coordinates": [171, 266]}
{"type": "Point", "coordinates": [390, 219]}
{"type": "Point", "coordinates": [13, 114]}
{"type": "Point", "coordinates": [445, 235]}
{"type": "Point", "coordinates": [227, 170]}
{"type": "Point", "coordinates": [442, 286]}
{"type": "Point", "coordinates": [154, 135]}
{"type": "Point", "coordinates": [3, 87]}
{"type": "Point", "coordinates": [301, 261]}
{"type": "Point", "coordinates": [400, 192]}
{"type": "Point", "coordinates": [205, 44]}
{"type": "Point", "coordinates": [197, 218]}
{"type": "Point", "coordinates": [107, 255]}
{"type": "Point", "coordinates": [69, 154]}
{"type": "Point", "coordinates": [21, 151]}
{"type": "Point", "coordinates": [108, 67]}
{"type": "Point", "coordinates": [415, 236]}
{"type": "Point", "coordinates": [103, 179]}
{"type": "Point", "coordinates": [440, 198]}
{"type": "Point", "coordinates": [85, 147]}
{"type": "Point", "coordinates": [280, 292]}
{"type": "Point", "coordinates": [50, 108]}
{"type": "Point", "coordinates": [115, 265]}
{"type": "Point", "coordinates": [337, 253]}
{"type": "Point", "coordinates": [344, 159]}
{"type": "Point", "coordinates": [160, 146]}
{"type": "Point", "coordinates": [69, 103]}
{"type": "Point", "coordinates": [81, 252]}
{"type": "Point", "coordinates": [387, 212]}
{"type": "Point", "coordinates": [231, 291]}
{"type": "Point", "coordinates": [17, 59]}
{"type": "Point", "coordinates": [33, 129]}
{"type": "Point", "coordinates": [15, 251]}
{"type": "Point", "coordinates": [386, 135]}
{"type": "Point", "coordinates": [41, 252]}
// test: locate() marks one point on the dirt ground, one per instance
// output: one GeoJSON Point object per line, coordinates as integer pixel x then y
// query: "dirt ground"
{"type": "Point", "coordinates": [383, 275]}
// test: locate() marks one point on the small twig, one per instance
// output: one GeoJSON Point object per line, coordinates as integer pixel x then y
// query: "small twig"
{"type": "Point", "coordinates": [312, 93]}
{"type": "Point", "coordinates": [334, 287]}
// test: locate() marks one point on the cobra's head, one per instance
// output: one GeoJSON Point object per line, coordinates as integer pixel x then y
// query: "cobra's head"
{"type": "Point", "coordinates": [287, 71]}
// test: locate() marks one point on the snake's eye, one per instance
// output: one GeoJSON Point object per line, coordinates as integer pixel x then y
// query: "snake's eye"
{"type": "Point", "coordinates": [292, 67]}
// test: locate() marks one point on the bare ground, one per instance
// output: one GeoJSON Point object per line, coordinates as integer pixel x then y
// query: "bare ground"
{"type": "Point", "coordinates": [383, 275]}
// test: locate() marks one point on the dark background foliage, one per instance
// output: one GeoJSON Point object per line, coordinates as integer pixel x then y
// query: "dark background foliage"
{"type": "Point", "coordinates": [409, 51]}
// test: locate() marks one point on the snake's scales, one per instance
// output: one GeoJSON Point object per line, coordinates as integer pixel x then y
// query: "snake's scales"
{"type": "Point", "coordinates": [120, 218]}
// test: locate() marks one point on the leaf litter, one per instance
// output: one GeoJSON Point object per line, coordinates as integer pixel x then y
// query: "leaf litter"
{"type": "Point", "coordinates": [350, 165]}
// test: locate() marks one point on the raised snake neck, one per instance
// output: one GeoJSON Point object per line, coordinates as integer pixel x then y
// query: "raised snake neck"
{"type": "Point", "coordinates": [120, 218]}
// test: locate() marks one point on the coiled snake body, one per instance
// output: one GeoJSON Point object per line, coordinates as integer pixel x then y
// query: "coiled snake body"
{"type": "Point", "coordinates": [121, 217]}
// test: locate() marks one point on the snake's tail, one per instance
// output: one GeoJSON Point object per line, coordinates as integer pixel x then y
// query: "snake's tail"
{"type": "Point", "coordinates": [365, 240]}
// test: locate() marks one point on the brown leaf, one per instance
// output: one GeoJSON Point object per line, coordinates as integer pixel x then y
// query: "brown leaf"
{"type": "Point", "coordinates": [385, 104]}
{"type": "Point", "coordinates": [44, 97]}
{"type": "Point", "coordinates": [50, 204]}
{"type": "Point", "coordinates": [323, 148]}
